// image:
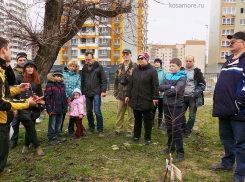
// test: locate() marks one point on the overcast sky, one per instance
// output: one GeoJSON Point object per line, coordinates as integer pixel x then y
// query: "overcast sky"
{"type": "Point", "coordinates": [171, 24]}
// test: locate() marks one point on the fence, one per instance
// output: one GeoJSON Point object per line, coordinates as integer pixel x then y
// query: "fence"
{"type": "Point", "coordinates": [211, 79]}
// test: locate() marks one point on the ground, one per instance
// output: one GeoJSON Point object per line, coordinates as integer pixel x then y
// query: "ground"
{"type": "Point", "coordinates": [93, 159]}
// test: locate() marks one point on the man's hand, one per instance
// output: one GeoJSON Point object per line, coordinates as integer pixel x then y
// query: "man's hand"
{"type": "Point", "coordinates": [103, 94]}
{"type": "Point", "coordinates": [81, 116]}
{"type": "Point", "coordinates": [15, 113]}
{"type": "Point", "coordinates": [24, 86]}
{"type": "Point", "coordinates": [126, 100]}
{"type": "Point", "coordinates": [155, 102]}
{"type": "Point", "coordinates": [32, 102]}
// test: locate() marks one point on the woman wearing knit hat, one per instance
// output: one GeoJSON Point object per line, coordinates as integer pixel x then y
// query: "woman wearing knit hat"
{"type": "Point", "coordinates": [29, 116]}
{"type": "Point", "coordinates": [143, 96]}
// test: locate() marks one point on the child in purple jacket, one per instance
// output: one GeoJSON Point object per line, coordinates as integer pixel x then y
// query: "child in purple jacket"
{"type": "Point", "coordinates": [77, 113]}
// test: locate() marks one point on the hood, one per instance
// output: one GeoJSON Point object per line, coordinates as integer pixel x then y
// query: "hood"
{"type": "Point", "coordinates": [176, 76]}
{"type": "Point", "coordinates": [181, 73]}
{"type": "Point", "coordinates": [28, 62]}
{"type": "Point", "coordinates": [77, 90]}
{"type": "Point", "coordinates": [50, 77]}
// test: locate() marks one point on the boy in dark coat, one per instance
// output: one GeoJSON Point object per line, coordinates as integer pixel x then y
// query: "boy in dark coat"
{"type": "Point", "coordinates": [56, 105]}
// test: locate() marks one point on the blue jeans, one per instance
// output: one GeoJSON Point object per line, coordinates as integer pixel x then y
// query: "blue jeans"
{"type": "Point", "coordinates": [232, 135]}
{"type": "Point", "coordinates": [96, 100]}
{"type": "Point", "coordinates": [15, 125]}
{"type": "Point", "coordinates": [54, 125]}
{"type": "Point", "coordinates": [191, 103]}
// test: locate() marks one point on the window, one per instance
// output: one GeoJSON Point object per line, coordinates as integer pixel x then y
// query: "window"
{"type": "Point", "coordinates": [103, 52]}
{"type": "Point", "coordinates": [117, 30]}
{"type": "Point", "coordinates": [117, 41]}
{"type": "Point", "coordinates": [225, 43]}
{"type": "Point", "coordinates": [90, 50]}
{"type": "Point", "coordinates": [116, 53]}
{"type": "Point", "coordinates": [103, 29]}
{"type": "Point", "coordinates": [93, 40]}
{"type": "Point", "coordinates": [103, 41]}
{"type": "Point", "coordinates": [226, 32]}
{"type": "Point", "coordinates": [84, 29]}
{"type": "Point", "coordinates": [229, 1]}
{"type": "Point", "coordinates": [93, 28]}
{"type": "Point", "coordinates": [228, 21]}
{"type": "Point", "coordinates": [83, 40]}
{"type": "Point", "coordinates": [82, 51]}
{"type": "Point", "coordinates": [229, 10]}
{"type": "Point", "coordinates": [73, 52]}
{"type": "Point", "coordinates": [223, 54]}
{"type": "Point", "coordinates": [73, 41]}
{"type": "Point", "coordinates": [242, 22]}
{"type": "Point", "coordinates": [64, 52]}
{"type": "Point", "coordinates": [104, 19]}
{"type": "Point", "coordinates": [117, 19]}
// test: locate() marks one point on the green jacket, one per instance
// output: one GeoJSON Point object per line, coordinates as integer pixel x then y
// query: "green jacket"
{"type": "Point", "coordinates": [120, 90]}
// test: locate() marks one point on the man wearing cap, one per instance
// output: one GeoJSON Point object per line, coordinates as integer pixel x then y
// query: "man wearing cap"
{"type": "Point", "coordinates": [143, 96]}
{"type": "Point", "coordinates": [21, 58]}
{"type": "Point", "coordinates": [122, 77]}
{"type": "Point", "coordinates": [193, 95]}
{"type": "Point", "coordinates": [229, 107]}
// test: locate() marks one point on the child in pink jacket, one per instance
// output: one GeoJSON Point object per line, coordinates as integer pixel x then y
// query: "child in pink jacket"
{"type": "Point", "coordinates": [77, 113]}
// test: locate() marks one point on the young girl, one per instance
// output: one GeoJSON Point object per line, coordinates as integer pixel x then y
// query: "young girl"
{"type": "Point", "coordinates": [72, 81]}
{"type": "Point", "coordinates": [77, 113]}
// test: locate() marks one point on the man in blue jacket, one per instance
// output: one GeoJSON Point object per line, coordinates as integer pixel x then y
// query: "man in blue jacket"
{"type": "Point", "coordinates": [229, 106]}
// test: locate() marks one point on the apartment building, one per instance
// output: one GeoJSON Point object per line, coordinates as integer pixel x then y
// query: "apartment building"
{"type": "Point", "coordinates": [107, 37]}
{"type": "Point", "coordinates": [195, 48]}
{"type": "Point", "coordinates": [226, 18]}
{"type": "Point", "coordinates": [18, 8]}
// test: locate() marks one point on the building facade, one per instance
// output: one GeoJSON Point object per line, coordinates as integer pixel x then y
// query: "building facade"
{"type": "Point", "coordinates": [195, 48]}
{"type": "Point", "coordinates": [7, 26]}
{"type": "Point", "coordinates": [107, 37]}
{"type": "Point", "coordinates": [226, 18]}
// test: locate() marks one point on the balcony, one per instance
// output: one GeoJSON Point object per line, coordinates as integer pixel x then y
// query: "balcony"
{"type": "Point", "coordinates": [117, 23]}
{"type": "Point", "coordinates": [64, 46]}
{"type": "Point", "coordinates": [116, 45]}
{"type": "Point", "coordinates": [64, 56]}
{"type": "Point", "coordinates": [117, 34]}
{"type": "Point", "coordinates": [107, 33]}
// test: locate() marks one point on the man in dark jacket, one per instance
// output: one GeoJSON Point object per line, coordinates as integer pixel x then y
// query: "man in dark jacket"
{"type": "Point", "coordinates": [6, 104]}
{"type": "Point", "coordinates": [93, 86]}
{"type": "Point", "coordinates": [229, 106]}
{"type": "Point", "coordinates": [143, 95]}
{"type": "Point", "coordinates": [193, 94]}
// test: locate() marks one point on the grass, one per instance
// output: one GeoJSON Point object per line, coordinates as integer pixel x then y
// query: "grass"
{"type": "Point", "coordinates": [93, 159]}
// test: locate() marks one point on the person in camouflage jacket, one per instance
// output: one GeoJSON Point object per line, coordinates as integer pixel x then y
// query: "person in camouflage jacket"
{"type": "Point", "coordinates": [21, 58]}
{"type": "Point", "coordinates": [122, 77]}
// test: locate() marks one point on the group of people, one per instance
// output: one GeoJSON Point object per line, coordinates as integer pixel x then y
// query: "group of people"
{"type": "Point", "coordinates": [140, 88]}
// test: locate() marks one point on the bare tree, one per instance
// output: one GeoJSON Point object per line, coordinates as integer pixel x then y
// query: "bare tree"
{"type": "Point", "coordinates": [62, 20]}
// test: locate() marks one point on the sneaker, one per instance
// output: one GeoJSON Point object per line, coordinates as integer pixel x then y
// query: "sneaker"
{"type": "Point", "coordinates": [116, 134]}
{"type": "Point", "coordinates": [76, 138]}
{"type": "Point", "coordinates": [147, 142]}
{"type": "Point", "coordinates": [12, 145]}
{"type": "Point", "coordinates": [129, 134]}
{"type": "Point", "coordinates": [166, 151]}
{"type": "Point", "coordinates": [187, 134]}
{"type": "Point", "coordinates": [179, 157]}
{"type": "Point", "coordinates": [60, 139]}
{"type": "Point", "coordinates": [219, 167]}
{"type": "Point", "coordinates": [24, 150]}
{"type": "Point", "coordinates": [53, 142]}
{"type": "Point", "coordinates": [90, 131]}
{"type": "Point", "coordinates": [134, 140]}
{"type": "Point", "coordinates": [101, 134]}
{"type": "Point", "coordinates": [40, 151]}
